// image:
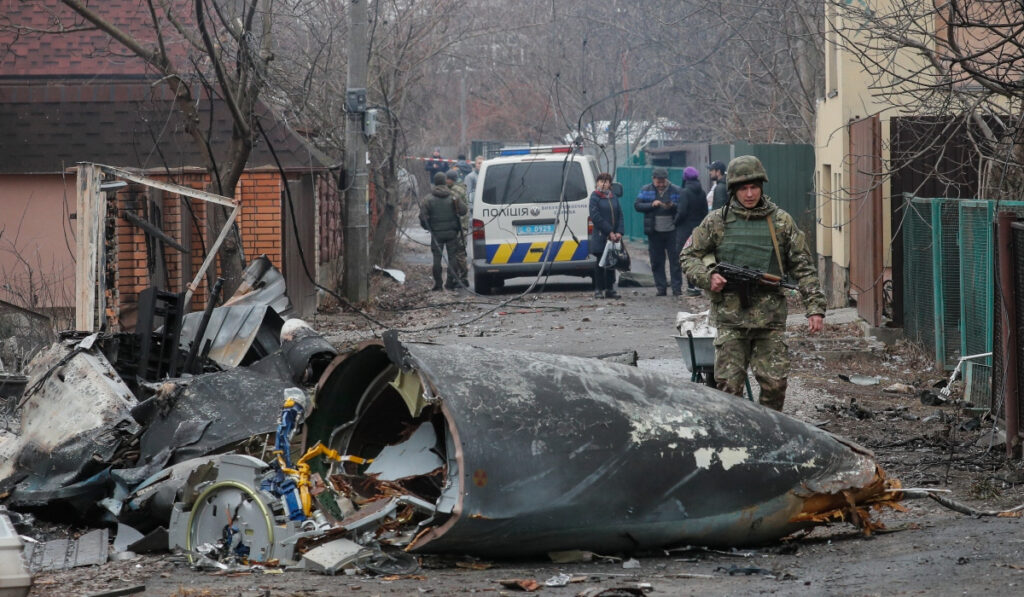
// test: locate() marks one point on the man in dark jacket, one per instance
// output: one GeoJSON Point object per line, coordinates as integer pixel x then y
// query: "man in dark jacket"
{"type": "Point", "coordinates": [440, 214]}
{"type": "Point", "coordinates": [719, 187]}
{"type": "Point", "coordinates": [693, 206]}
{"type": "Point", "coordinates": [463, 167]}
{"type": "Point", "coordinates": [658, 202]}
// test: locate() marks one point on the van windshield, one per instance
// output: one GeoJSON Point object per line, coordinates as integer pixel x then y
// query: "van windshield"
{"type": "Point", "coordinates": [533, 182]}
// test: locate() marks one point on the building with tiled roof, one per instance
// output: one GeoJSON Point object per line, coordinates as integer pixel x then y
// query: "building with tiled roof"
{"type": "Point", "coordinates": [80, 97]}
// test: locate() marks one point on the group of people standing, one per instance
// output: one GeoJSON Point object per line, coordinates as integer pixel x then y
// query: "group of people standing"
{"type": "Point", "coordinates": [445, 214]}
{"type": "Point", "coordinates": [671, 212]}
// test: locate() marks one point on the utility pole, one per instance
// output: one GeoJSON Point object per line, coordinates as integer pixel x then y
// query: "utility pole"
{"type": "Point", "coordinates": [462, 116]}
{"type": "Point", "coordinates": [356, 279]}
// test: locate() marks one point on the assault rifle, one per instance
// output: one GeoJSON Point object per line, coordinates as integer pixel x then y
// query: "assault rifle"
{"type": "Point", "coordinates": [742, 280]}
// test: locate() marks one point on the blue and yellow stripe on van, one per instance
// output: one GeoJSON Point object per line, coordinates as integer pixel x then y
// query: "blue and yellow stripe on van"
{"type": "Point", "coordinates": [567, 250]}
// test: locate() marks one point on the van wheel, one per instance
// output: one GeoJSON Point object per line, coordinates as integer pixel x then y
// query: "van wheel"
{"type": "Point", "coordinates": [482, 283]}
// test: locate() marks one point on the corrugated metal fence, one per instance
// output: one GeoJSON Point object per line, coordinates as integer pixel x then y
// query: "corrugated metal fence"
{"type": "Point", "coordinates": [790, 182]}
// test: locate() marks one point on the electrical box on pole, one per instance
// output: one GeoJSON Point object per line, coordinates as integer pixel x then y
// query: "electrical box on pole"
{"type": "Point", "coordinates": [355, 100]}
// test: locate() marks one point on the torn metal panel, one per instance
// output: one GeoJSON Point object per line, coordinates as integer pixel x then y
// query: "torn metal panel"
{"type": "Point", "coordinates": [211, 411]}
{"type": "Point", "coordinates": [238, 336]}
{"type": "Point", "coordinates": [150, 502]}
{"type": "Point", "coordinates": [62, 554]}
{"type": "Point", "coordinates": [262, 284]}
{"type": "Point", "coordinates": [125, 537]}
{"type": "Point", "coordinates": [415, 456]}
{"type": "Point", "coordinates": [76, 414]}
{"type": "Point", "coordinates": [549, 453]}
{"type": "Point", "coordinates": [330, 558]}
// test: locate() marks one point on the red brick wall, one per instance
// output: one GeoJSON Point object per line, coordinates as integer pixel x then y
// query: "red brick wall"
{"type": "Point", "coordinates": [261, 218]}
{"type": "Point", "coordinates": [259, 225]}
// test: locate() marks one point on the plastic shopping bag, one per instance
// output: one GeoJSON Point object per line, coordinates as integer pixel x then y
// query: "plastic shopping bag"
{"type": "Point", "coordinates": [610, 255]}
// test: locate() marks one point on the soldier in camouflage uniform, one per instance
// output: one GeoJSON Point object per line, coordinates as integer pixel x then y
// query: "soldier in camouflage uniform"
{"type": "Point", "coordinates": [753, 232]}
{"type": "Point", "coordinates": [458, 190]}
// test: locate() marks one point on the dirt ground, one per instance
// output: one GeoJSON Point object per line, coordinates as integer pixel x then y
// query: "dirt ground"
{"type": "Point", "coordinates": [927, 550]}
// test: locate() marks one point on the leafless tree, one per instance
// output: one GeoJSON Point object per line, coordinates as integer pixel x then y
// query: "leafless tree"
{"type": "Point", "coordinates": [199, 49]}
{"type": "Point", "coordinates": [958, 63]}
{"type": "Point", "coordinates": [408, 41]}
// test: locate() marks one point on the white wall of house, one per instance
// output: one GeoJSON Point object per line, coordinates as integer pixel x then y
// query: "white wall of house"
{"type": "Point", "coordinates": [847, 97]}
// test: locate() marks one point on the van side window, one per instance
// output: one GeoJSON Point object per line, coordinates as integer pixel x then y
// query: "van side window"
{"type": "Point", "coordinates": [533, 182]}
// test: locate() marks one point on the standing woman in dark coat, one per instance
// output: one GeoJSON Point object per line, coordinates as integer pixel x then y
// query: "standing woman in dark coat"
{"type": "Point", "coordinates": [693, 206]}
{"type": "Point", "coordinates": [606, 216]}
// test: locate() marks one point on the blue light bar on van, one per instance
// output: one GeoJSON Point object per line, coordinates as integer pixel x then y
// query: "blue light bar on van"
{"type": "Point", "coordinates": [538, 149]}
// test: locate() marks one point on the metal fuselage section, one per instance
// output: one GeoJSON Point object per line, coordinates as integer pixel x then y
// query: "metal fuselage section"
{"type": "Point", "coordinates": [545, 452]}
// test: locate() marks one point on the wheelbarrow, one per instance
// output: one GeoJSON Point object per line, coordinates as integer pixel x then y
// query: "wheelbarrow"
{"type": "Point", "coordinates": [701, 352]}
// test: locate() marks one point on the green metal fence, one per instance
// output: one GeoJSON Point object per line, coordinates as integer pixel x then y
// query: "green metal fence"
{"type": "Point", "coordinates": [918, 285]}
{"type": "Point", "coordinates": [976, 276]}
{"type": "Point", "coordinates": [948, 276]}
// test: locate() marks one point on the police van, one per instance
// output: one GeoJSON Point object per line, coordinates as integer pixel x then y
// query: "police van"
{"type": "Point", "coordinates": [531, 209]}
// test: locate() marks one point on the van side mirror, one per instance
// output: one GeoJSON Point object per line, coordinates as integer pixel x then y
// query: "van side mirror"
{"type": "Point", "coordinates": [616, 189]}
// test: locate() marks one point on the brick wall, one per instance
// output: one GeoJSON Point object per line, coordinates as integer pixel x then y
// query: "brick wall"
{"type": "Point", "coordinates": [259, 225]}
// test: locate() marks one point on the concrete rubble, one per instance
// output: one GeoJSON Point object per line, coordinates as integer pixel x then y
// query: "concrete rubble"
{"type": "Point", "coordinates": [269, 448]}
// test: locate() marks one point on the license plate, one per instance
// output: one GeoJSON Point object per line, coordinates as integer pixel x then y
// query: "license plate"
{"type": "Point", "coordinates": [535, 229]}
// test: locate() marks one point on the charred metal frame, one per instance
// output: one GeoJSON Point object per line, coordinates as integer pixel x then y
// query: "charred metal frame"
{"type": "Point", "coordinates": [90, 286]}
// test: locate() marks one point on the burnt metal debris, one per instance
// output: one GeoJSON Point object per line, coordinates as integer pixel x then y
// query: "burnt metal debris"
{"type": "Point", "coordinates": [406, 448]}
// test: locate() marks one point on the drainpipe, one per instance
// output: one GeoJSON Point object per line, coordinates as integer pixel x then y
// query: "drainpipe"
{"type": "Point", "coordinates": [1009, 329]}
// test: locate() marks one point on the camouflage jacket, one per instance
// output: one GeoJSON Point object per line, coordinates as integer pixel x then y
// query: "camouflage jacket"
{"type": "Point", "coordinates": [768, 305]}
{"type": "Point", "coordinates": [459, 193]}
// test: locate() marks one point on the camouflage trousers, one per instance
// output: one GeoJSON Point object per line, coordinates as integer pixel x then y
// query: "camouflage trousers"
{"type": "Point", "coordinates": [457, 267]}
{"type": "Point", "coordinates": [764, 350]}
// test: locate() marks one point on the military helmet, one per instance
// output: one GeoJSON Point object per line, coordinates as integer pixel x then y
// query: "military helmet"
{"type": "Point", "coordinates": [439, 178]}
{"type": "Point", "coordinates": [744, 169]}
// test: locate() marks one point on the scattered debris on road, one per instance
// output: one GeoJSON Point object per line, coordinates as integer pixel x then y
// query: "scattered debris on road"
{"type": "Point", "coordinates": [253, 444]}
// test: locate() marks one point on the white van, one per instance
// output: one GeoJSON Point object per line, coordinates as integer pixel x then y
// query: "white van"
{"type": "Point", "coordinates": [523, 223]}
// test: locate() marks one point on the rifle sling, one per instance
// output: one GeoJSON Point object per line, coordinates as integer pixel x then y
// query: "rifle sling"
{"type": "Point", "coordinates": [775, 243]}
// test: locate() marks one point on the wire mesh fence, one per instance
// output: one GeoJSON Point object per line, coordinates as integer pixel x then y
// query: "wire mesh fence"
{"type": "Point", "coordinates": [976, 263]}
{"type": "Point", "coordinates": [949, 278]}
{"type": "Point", "coordinates": [918, 285]}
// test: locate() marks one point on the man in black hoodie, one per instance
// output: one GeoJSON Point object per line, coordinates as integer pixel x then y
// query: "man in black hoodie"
{"type": "Point", "coordinates": [693, 206]}
{"type": "Point", "coordinates": [440, 214]}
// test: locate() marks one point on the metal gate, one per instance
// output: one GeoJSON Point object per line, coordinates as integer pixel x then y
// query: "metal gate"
{"type": "Point", "coordinates": [866, 259]}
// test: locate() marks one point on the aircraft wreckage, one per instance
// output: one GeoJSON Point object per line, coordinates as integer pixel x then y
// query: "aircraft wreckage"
{"type": "Point", "coordinates": [508, 453]}
{"type": "Point", "coordinates": [417, 447]}
{"type": "Point", "coordinates": [502, 453]}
